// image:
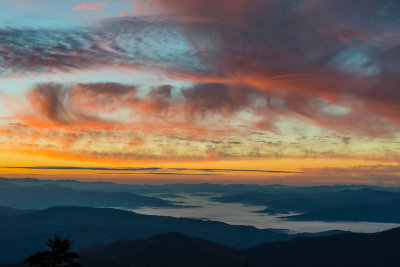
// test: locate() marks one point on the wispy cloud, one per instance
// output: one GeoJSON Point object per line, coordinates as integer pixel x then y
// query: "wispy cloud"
{"type": "Point", "coordinates": [123, 41]}
{"type": "Point", "coordinates": [151, 170]}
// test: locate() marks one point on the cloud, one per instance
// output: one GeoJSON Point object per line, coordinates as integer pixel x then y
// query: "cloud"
{"type": "Point", "coordinates": [165, 142]}
{"type": "Point", "coordinates": [84, 168]}
{"type": "Point", "coordinates": [151, 170]}
{"type": "Point", "coordinates": [383, 174]}
{"type": "Point", "coordinates": [306, 48]}
{"type": "Point", "coordinates": [124, 13]}
{"type": "Point", "coordinates": [204, 108]}
{"type": "Point", "coordinates": [333, 50]}
{"type": "Point", "coordinates": [124, 41]}
{"type": "Point", "coordinates": [222, 9]}
{"type": "Point", "coordinates": [90, 6]}
{"type": "Point", "coordinates": [253, 65]}
{"type": "Point", "coordinates": [52, 105]}
{"type": "Point", "coordinates": [80, 105]}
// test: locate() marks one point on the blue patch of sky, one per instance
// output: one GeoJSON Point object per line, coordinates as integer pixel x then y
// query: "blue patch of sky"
{"type": "Point", "coordinates": [356, 61]}
{"type": "Point", "coordinates": [56, 13]}
{"type": "Point", "coordinates": [162, 45]}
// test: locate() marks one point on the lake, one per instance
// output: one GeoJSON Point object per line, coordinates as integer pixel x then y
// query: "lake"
{"type": "Point", "coordinates": [201, 207]}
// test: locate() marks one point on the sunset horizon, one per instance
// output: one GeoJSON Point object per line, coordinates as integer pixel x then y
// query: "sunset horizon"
{"type": "Point", "coordinates": [199, 133]}
{"type": "Point", "coordinates": [291, 92]}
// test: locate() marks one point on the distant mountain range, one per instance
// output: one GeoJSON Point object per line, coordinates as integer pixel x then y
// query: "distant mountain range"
{"type": "Point", "coordinates": [47, 195]}
{"type": "Point", "coordinates": [13, 211]}
{"type": "Point", "coordinates": [317, 203]}
{"type": "Point", "coordinates": [321, 203]}
{"type": "Point", "coordinates": [226, 189]}
{"type": "Point", "coordinates": [388, 213]}
{"type": "Point", "coordinates": [346, 205]}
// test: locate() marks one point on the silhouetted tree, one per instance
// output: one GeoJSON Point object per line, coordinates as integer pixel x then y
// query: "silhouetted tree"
{"type": "Point", "coordinates": [58, 255]}
{"type": "Point", "coordinates": [246, 263]}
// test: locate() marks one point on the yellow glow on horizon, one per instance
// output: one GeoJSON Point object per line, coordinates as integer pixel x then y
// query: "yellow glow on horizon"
{"type": "Point", "coordinates": [10, 159]}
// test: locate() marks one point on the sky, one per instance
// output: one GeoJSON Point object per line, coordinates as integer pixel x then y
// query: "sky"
{"type": "Point", "coordinates": [155, 91]}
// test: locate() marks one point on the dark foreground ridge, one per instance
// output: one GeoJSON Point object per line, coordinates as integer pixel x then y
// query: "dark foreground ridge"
{"type": "Point", "coordinates": [170, 249]}
{"type": "Point", "coordinates": [175, 249]}
{"type": "Point", "coordinates": [179, 250]}
{"type": "Point", "coordinates": [154, 241]}
{"type": "Point", "coordinates": [24, 234]}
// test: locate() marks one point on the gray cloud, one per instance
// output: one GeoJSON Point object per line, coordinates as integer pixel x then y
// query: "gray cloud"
{"type": "Point", "coordinates": [119, 42]}
{"type": "Point", "coordinates": [333, 50]}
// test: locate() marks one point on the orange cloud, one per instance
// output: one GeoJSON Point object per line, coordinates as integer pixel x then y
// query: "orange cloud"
{"type": "Point", "coordinates": [90, 6]}
{"type": "Point", "coordinates": [89, 106]}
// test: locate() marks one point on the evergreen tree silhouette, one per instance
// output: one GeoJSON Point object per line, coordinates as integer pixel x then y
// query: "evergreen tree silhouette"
{"type": "Point", "coordinates": [58, 255]}
{"type": "Point", "coordinates": [246, 263]}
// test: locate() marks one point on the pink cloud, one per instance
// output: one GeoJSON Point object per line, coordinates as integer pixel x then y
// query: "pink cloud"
{"type": "Point", "coordinates": [90, 6]}
{"type": "Point", "coordinates": [124, 14]}
{"type": "Point", "coordinates": [262, 50]}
